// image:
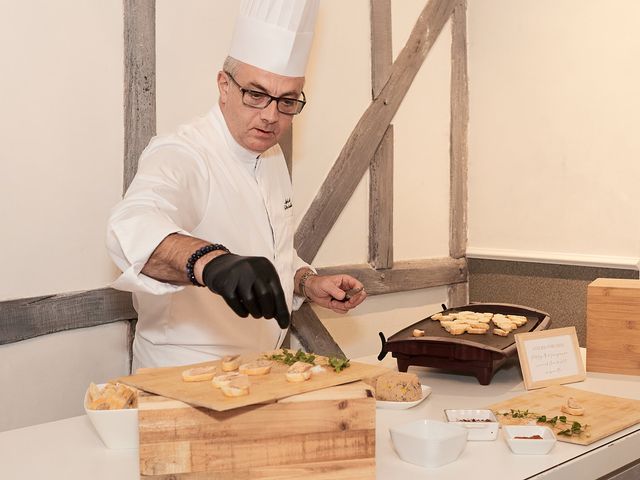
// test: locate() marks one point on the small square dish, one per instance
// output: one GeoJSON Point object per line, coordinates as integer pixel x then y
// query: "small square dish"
{"type": "Point", "coordinates": [385, 404]}
{"type": "Point", "coordinates": [529, 439]}
{"type": "Point", "coordinates": [428, 443]}
{"type": "Point", "coordinates": [116, 428]}
{"type": "Point", "coordinates": [481, 424]}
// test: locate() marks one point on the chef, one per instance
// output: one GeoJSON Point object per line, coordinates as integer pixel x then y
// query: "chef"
{"type": "Point", "coordinates": [204, 234]}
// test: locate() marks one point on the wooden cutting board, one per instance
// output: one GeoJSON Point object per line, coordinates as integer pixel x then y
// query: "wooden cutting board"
{"type": "Point", "coordinates": [613, 326]}
{"type": "Point", "coordinates": [326, 434]}
{"type": "Point", "coordinates": [264, 388]}
{"type": "Point", "coordinates": [604, 414]}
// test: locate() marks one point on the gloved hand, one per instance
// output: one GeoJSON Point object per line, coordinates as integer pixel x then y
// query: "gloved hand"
{"type": "Point", "coordinates": [249, 285]}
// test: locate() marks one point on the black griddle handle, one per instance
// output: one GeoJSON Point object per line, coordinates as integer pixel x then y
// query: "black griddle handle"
{"type": "Point", "coordinates": [444, 307]}
{"type": "Point", "coordinates": [383, 350]}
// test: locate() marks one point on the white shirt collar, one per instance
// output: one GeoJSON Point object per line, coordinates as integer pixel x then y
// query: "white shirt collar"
{"type": "Point", "coordinates": [238, 150]}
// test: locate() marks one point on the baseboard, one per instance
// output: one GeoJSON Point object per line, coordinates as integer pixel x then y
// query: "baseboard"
{"type": "Point", "coordinates": [556, 258]}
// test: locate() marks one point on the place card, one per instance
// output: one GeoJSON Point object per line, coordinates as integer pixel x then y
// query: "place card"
{"type": "Point", "coordinates": [550, 357]}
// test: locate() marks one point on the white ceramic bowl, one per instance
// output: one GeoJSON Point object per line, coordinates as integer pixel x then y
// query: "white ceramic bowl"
{"type": "Point", "coordinates": [428, 443]}
{"type": "Point", "coordinates": [481, 424]}
{"type": "Point", "coordinates": [116, 428]}
{"type": "Point", "coordinates": [528, 446]}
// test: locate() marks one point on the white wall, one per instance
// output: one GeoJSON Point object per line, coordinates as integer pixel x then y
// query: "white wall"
{"type": "Point", "coordinates": [45, 378]}
{"type": "Point", "coordinates": [554, 145]}
{"type": "Point", "coordinates": [61, 132]}
{"type": "Point", "coordinates": [192, 44]}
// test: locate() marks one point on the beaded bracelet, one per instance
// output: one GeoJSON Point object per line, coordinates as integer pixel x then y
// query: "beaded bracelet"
{"type": "Point", "coordinates": [201, 252]}
{"type": "Point", "coordinates": [303, 280]}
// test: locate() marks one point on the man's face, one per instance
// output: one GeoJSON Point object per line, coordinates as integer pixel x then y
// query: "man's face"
{"type": "Point", "coordinates": [253, 128]}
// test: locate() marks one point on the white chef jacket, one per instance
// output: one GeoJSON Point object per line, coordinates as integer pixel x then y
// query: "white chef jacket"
{"type": "Point", "coordinates": [201, 182]}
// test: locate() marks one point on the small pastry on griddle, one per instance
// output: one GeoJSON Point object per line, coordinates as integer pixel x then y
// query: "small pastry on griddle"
{"type": "Point", "coordinates": [476, 331]}
{"type": "Point", "coordinates": [417, 332]}
{"type": "Point", "coordinates": [458, 329]}
{"type": "Point", "coordinates": [500, 332]}
{"type": "Point", "coordinates": [484, 326]}
{"type": "Point", "coordinates": [519, 320]}
{"type": "Point", "coordinates": [484, 320]}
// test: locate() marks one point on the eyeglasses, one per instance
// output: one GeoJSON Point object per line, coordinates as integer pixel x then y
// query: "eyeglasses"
{"type": "Point", "coordinates": [261, 100]}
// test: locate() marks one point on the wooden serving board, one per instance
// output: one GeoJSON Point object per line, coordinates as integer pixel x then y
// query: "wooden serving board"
{"type": "Point", "coordinates": [264, 388]}
{"type": "Point", "coordinates": [326, 434]}
{"type": "Point", "coordinates": [604, 414]}
{"type": "Point", "coordinates": [613, 326]}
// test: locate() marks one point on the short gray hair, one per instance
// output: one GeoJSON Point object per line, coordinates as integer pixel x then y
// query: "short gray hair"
{"type": "Point", "coordinates": [231, 65]}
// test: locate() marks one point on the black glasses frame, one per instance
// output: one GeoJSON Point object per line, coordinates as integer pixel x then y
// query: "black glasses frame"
{"type": "Point", "coordinates": [300, 103]}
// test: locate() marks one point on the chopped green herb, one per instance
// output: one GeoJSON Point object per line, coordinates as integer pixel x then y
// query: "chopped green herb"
{"type": "Point", "coordinates": [338, 364]}
{"type": "Point", "coordinates": [290, 358]}
{"type": "Point", "coordinates": [576, 428]}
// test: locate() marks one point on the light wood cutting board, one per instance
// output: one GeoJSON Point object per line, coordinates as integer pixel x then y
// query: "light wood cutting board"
{"type": "Point", "coordinates": [604, 414]}
{"type": "Point", "coordinates": [264, 388]}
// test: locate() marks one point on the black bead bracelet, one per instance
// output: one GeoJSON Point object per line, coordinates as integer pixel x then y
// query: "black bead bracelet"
{"type": "Point", "coordinates": [201, 252]}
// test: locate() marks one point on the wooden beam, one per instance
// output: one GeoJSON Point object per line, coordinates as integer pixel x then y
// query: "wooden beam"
{"type": "Point", "coordinates": [405, 275]}
{"type": "Point", "coordinates": [312, 334]}
{"type": "Point", "coordinates": [139, 82]}
{"type": "Point", "coordinates": [381, 168]}
{"type": "Point", "coordinates": [459, 131]}
{"type": "Point", "coordinates": [381, 46]}
{"type": "Point", "coordinates": [286, 144]}
{"type": "Point", "coordinates": [358, 151]}
{"type": "Point", "coordinates": [458, 294]}
{"type": "Point", "coordinates": [32, 317]}
{"type": "Point", "coordinates": [381, 204]}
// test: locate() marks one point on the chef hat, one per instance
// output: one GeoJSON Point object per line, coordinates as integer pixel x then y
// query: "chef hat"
{"type": "Point", "coordinates": [275, 35]}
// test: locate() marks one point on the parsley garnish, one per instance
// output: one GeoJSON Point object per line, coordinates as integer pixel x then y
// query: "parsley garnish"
{"type": "Point", "coordinates": [338, 364]}
{"type": "Point", "coordinates": [289, 358]}
{"type": "Point", "coordinates": [576, 428]}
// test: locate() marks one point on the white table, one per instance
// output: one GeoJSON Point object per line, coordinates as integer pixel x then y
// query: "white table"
{"type": "Point", "coordinates": [493, 460]}
{"type": "Point", "coordinates": [70, 450]}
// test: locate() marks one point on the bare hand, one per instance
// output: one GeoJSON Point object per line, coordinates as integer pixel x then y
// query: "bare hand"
{"type": "Point", "coordinates": [330, 291]}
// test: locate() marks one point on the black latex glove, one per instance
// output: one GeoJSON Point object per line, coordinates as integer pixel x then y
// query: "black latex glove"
{"type": "Point", "coordinates": [249, 285]}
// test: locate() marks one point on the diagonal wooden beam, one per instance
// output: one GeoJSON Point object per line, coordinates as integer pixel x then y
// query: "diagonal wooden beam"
{"type": "Point", "coordinates": [312, 334]}
{"type": "Point", "coordinates": [139, 82]}
{"type": "Point", "coordinates": [354, 159]}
